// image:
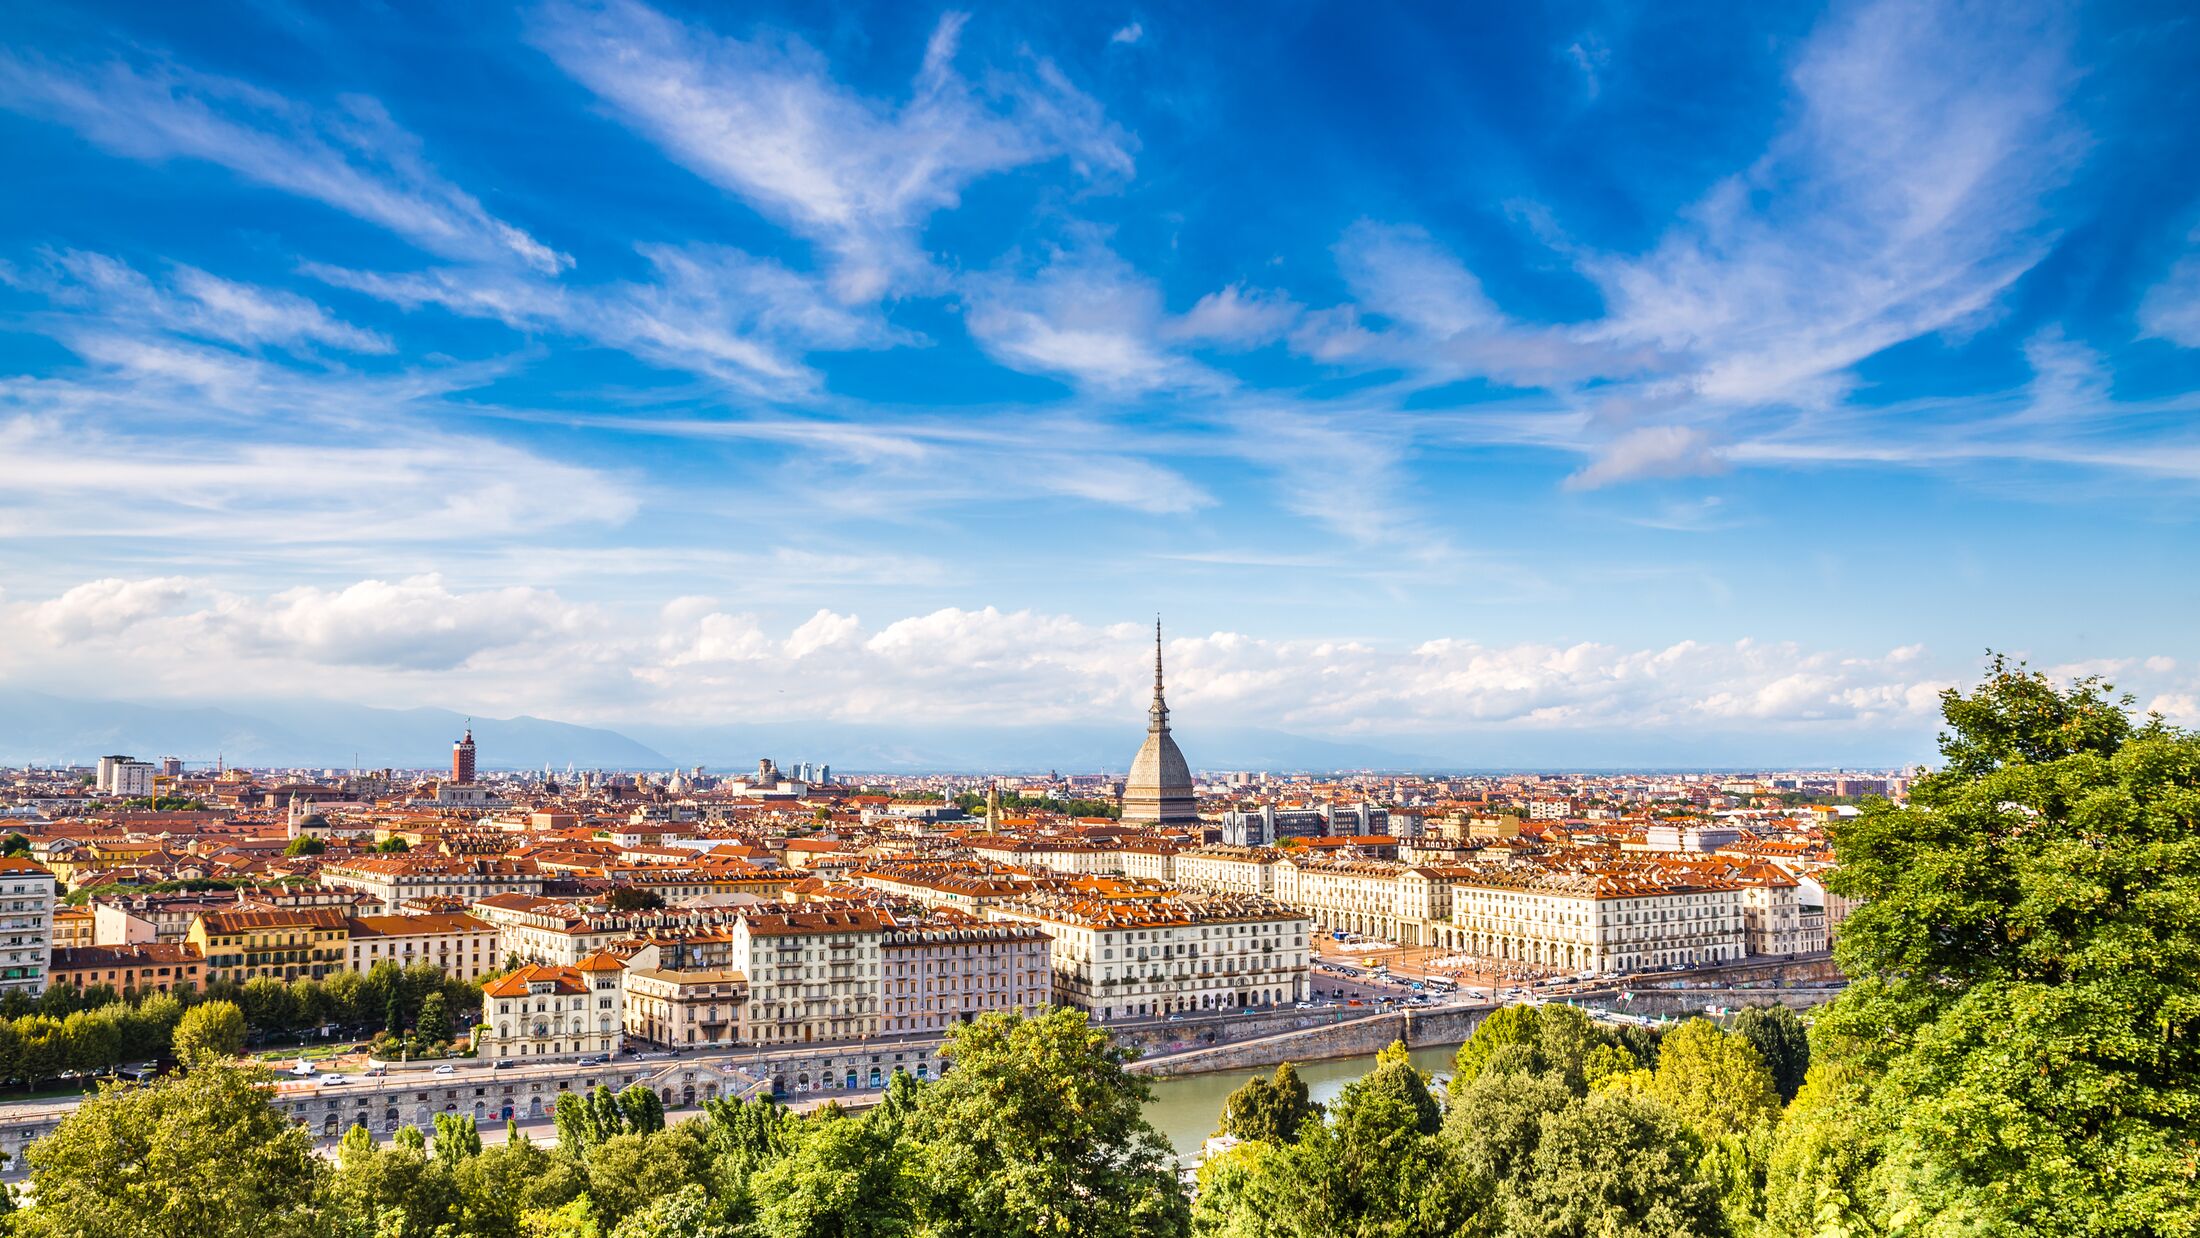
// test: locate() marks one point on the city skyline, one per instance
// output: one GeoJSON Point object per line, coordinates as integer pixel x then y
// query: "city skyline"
{"type": "Point", "coordinates": [1444, 380]}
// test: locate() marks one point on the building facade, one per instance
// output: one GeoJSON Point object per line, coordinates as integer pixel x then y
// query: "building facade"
{"type": "Point", "coordinates": [950, 967]}
{"type": "Point", "coordinates": [1139, 955]}
{"type": "Point", "coordinates": [553, 1012]}
{"type": "Point", "coordinates": [682, 1009]}
{"type": "Point", "coordinates": [26, 925]}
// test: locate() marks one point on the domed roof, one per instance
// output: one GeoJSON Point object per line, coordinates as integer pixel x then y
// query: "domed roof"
{"type": "Point", "coordinates": [1159, 789]}
{"type": "Point", "coordinates": [1158, 767]}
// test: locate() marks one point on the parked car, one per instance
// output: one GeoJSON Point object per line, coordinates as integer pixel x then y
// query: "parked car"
{"type": "Point", "coordinates": [446, 1069]}
{"type": "Point", "coordinates": [506, 1064]}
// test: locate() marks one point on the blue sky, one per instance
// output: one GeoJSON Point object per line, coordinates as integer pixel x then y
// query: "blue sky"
{"type": "Point", "coordinates": [1435, 372]}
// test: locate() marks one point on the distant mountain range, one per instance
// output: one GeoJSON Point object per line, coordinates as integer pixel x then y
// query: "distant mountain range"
{"type": "Point", "coordinates": [40, 727]}
{"type": "Point", "coordinates": [35, 726]}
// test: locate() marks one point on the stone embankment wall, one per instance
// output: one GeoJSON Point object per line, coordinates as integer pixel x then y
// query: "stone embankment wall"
{"type": "Point", "coordinates": [1352, 1038]}
{"type": "Point", "coordinates": [1799, 983]}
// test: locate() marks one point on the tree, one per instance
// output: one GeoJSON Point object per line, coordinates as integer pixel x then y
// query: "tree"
{"type": "Point", "coordinates": [1782, 1040]}
{"type": "Point", "coordinates": [16, 844]}
{"type": "Point", "coordinates": [1497, 1120]}
{"type": "Point", "coordinates": [683, 1214]}
{"type": "Point", "coordinates": [456, 1138]}
{"type": "Point", "coordinates": [626, 1172]}
{"type": "Point", "coordinates": [208, 1032]}
{"type": "Point", "coordinates": [1616, 1163]}
{"type": "Point", "coordinates": [1824, 1153]}
{"type": "Point", "coordinates": [202, 1154]}
{"type": "Point", "coordinates": [844, 1179]}
{"type": "Point", "coordinates": [633, 898]}
{"type": "Point", "coordinates": [1271, 1110]}
{"type": "Point", "coordinates": [500, 1185]}
{"type": "Point", "coordinates": [1246, 1192]}
{"type": "Point", "coordinates": [393, 845]}
{"type": "Point", "coordinates": [433, 1026]}
{"type": "Point", "coordinates": [640, 1110]}
{"type": "Point", "coordinates": [2025, 964]}
{"type": "Point", "coordinates": [1714, 1080]}
{"type": "Point", "coordinates": [1375, 1168]}
{"type": "Point", "coordinates": [397, 1189]}
{"type": "Point", "coordinates": [305, 844]}
{"type": "Point", "coordinates": [1039, 1130]}
{"type": "Point", "coordinates": [267, 1005]}
{"type": "Point", "coordinates": [744, 1137]}
{"type": "Point", "coordinates": [1560, 1039]}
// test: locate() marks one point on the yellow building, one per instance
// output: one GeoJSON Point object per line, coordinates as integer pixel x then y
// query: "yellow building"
{"type": "Point", "coordinates": [286, 944]}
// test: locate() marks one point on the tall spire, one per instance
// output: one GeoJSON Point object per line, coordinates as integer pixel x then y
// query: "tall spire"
{"type": "Point", "coordinates": [1157, 716]}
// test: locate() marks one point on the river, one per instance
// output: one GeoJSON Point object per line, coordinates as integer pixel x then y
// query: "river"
{"type": "Point", "coordinates": [1188, 1108]}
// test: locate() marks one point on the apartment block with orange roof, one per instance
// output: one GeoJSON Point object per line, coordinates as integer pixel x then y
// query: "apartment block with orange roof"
{"type": "Point", "coordinates": [542, 1012]}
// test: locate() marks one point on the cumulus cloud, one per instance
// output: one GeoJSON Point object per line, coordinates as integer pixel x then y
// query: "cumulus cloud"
{"type": "Point", "coordinates": [352, 157]}
{"type": "Point", "coordinates": [694, 660]}
{"type": "Point", "coordinates": [765, 119]}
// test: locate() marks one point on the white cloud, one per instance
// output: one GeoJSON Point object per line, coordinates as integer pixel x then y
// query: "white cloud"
{"type": "Point", "coordinates": [193, 304]}
{"type": "Point", "coordinates": [1238, 316]}
{"type": "Point", "coordinates": [2171, 309]}
{"type": "Point", "coordinates": [1902, 195]}
{"type": "Point", "coordinates": [764, 119]}
{"type": "Point", "coordinates": [1086, 315]}
{"type": "Point", "coordinates": [529, 649]}
{"type": "Point", "coordinates": [352, 157]}
{"type": "Point", "coordinates": [1128, 36]}
{"type": "Point", "coordinates": [709, 310]}
{"type": "Point", "coordinates": [1903, 198]}
{"type": "Point", "coordinates": [1415, 305]}
{"type": "Point", "coordinates": [1650, 451]}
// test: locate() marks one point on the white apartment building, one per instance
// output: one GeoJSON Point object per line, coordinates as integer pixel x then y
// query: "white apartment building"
{"type": "Point", "coordinates": [553, 1012]}
{"type": "Point", "coordinates": [1226, 870]}
{"type": "Point", "coordinates": [26, 925]}
{"type": "Point", "coordinates": [1346, 896]}
{"type": "Point", "coordinates": [1141, 953]}
{"type": "Point", "coordinates": [465, 948]}
{"type": "Point", "coordinates": [131, 779]}
{"type": "Point", "coordinates": [814, 972]}
{"type": "Point", "coordinates": [1061, 855]}
{"type": "Point", "coordinates": [393, 879]}
{"type": "Point", "coordinates": [683, 1008]}
{"type": "Point", "coordinates": [949, 968]}
{"type": "Point", "coordinates": [1631, 917]}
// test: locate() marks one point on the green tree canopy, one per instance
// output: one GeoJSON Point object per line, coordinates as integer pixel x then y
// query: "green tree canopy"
{"type": "Point", "coordinates": [1618, 1163]}
{"type": "Point", "coordinates": [2025, 966]}
{"type": "Point", "coordinates": [844, 1178]}
{"type": "Point", "coordinates": [1270, 1109]}
{"type": "Point", "coordinates": [1039, 1130]}
{"type": "Point", "coordinates": [1714, 1080]}
{"type": "Point", "coordinates": [209, 1032]}
{"type": "Point", "coordinates": [202, 1154]}
{"type": "Point", "coordinates": [1781, 1040]}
